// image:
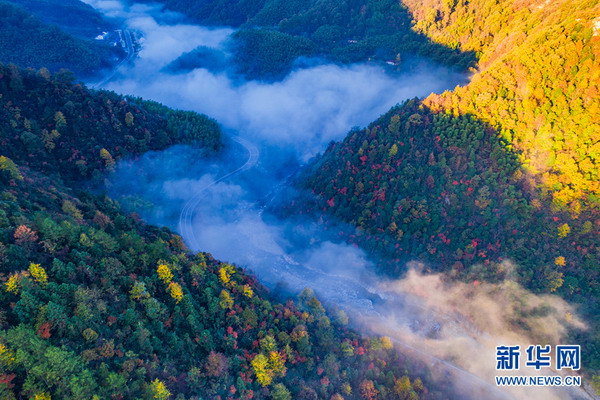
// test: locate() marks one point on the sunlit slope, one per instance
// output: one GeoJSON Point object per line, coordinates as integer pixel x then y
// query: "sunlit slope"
{"type": "Point", "coordinates": [505, 167]}
{"type": "Point", "coordinates": [538, 82]}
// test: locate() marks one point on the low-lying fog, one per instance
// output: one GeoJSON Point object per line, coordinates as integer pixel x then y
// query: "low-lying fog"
{"type": "Point", "coordinates": [306, 110]}
{"type": "Point", "coordinates": [218, 205]}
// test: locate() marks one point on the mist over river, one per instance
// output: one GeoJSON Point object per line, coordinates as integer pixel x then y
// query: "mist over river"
{"type": "Point", "coordinates": [219, 204]}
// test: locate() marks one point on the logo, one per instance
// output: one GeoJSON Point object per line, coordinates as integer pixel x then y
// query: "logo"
{"type": "Point", "coordinates": [566, 357]}
{"type": "Point", "coordinates": [507, 357]}
{"type": "Point", "coordinates": [538, 356]}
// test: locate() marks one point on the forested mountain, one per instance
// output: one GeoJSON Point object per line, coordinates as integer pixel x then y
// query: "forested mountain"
{"type": "Point", "coordinates": [96, 304]}
{"type": "Point", "coordinates": [505, 167]}
{"type": "Point", "coordinates": [29, 42]}
{"type": "Point", "coordinates": [72, 16]}
{"type": "Point", "coordinates": [538, 83]}
{"type": "Point", "coordinates": [66, 129]}
{"type": "Point", "coordinates": [274, 33]}
{"type": "Point", "coordinates": [449, 190]}
{"type": "Point", "coordinates": [543, 129]}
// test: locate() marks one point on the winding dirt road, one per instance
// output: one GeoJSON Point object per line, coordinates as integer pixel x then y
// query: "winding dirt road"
{"type": "Point", "coordinates": [340, 286]}
{"type": "Point", "coordinates": [186, 217]}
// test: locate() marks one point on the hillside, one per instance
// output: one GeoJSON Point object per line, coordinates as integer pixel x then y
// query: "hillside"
{"type": "Point", "coordinates": [495, 180]}
{"type": "Point", "coordinates": [502, 168]}
{"type": "Point", "coordinates": [448, 190]}
{"type": "Point", "coordinates": [538, 83]}
{"type": "Point", "coordinates": [274, 33]}
{"type": "Point", "coordinates": [64, 128]}
{"type": "Point", "coordinates": [72, 16]}
{"type": "Point", "coordinates": [29, 42]}
{"type": "Point", "coordinates": [96, 304]}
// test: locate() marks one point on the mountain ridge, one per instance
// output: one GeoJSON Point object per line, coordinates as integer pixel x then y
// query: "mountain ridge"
{"type": "Point", "coordinates": [96, 304]}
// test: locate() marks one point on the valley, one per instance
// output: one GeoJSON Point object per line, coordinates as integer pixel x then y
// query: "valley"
{"type": "Point", "coordinates": [358, 216]}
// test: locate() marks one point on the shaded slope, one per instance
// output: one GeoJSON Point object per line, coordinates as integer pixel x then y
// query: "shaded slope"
{"type": "Point", "coordinates": [58, 127]}
{"type": "Point", "coordinates": [450, 191]}
{"type": "Point", "coordinates": [28, 42]}
{"type": "Point", "coordinates": [273, 33]}
{"type": "Point", "coordinates": [86, 310]}
{"type": "Point", "coordinates": [72, 16]}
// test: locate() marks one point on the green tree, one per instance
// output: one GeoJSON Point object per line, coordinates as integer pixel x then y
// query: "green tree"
{"type": "Point", "coordinates": [225, 300]}
{"type": "Point", "coordinates": [129, 119]}
{"type": "Point", "coordinates": [280, 392]}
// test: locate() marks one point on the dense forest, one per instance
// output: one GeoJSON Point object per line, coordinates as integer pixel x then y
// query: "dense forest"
{"type": "Point", "coordinates": [69, 130]}
{"type": "Point", "coordinates": [96, 304]}
{"type": "Point", "coordinates": [28, 42]}
{"type": "Point", "coordinates": [274, 33]}
{"type": "Point", "coordinates": [505, 167]}
{"type": "Point", "coordinates": [72, 16]}
{"type": "Point", "coordinates": [449, 190]}
{"type": "Point", "coordinates": [538, 83]}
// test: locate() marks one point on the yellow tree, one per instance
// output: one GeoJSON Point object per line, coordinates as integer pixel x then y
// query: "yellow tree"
{"type": "Point", "coordinates": [564, 230]}
{"type": "Point", "coordinates": [402, 387]}
{"type": "Point", "coordinates": [129, 119]}
{"type": "Point", "coordinates": [38, 273]}
{"type": "Point", "coordinates": [386, 343]}
{"type": "Point", "coordinates": [225, 273]}
{"type": "Point", "coordinates": [71, 209]}
{"type": "Point", "coordinates": [225, 300]}
{"type": "Point", "coordinates": [277, 363]}
{"type": "Point", "coordinates": [7, 357]}
{"type": "Point", "coordinates": [175, 291]}
{"type": "Point", "coordinates": [60, 120]}
{"type": "Point", "coordinates": [159, 391]}
{"type": "Point", "coordinates": [138, 291]}
{"type": "Point", "coordinates": [164, 273]}
{"type": "Point", "coordinates": [247, 291]}
{"type": "Point", "coordinates": [260, 365]}
{"type": "Point", "coordinates": [108, 159]}
{"type": "Point", "coordinates": [12, 285]}
{"type": "Point", "coordinates": [6, 164]}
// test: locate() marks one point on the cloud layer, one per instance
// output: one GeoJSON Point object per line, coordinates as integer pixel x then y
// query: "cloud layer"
{"type": "Point", "coordinates": [453, 326]}
{"type": "Point", "coordinates": [306, 110]}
